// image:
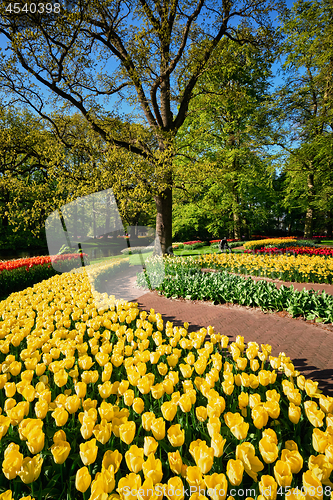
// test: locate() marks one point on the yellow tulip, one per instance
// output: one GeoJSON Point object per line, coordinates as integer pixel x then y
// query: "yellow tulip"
{"type": "Point", "coordinates": [147, 419]}
{"type": "Point", "coordinates": [134, 458]}
{"type": "Point", "coordinates": [10, 389]}
{"type": "Point", "coordinates": [268, 487]}
{"type": "Point", "coordinates": [312, 485]}
{"type": "Point", "coordinates": [7, 495]}
{"type": "Point", "coordinates": [204, 457]}
{"type": "Point", "coordinates": [213, 426]}
{"type": "Point", "coordinates": [168, 386]}
{"type": "Point", "coordinates": [152, 468]}
{"type": "Point", "coordinates": [326, 403]}
{"type": "Point", "coordinates": [81, 389]}
{"type": "Point", "coordinates": [31, 469]}
{"type": "Point", "coordinates": [87, 427]}
{"type": "Point", "coordinates": [138, 405]}
{"type": "Point", "coordinates": [235, 470]}
{"type": "Point", "coordinates": [250, 380]}
{"type": "Point", "coordinates": [268, 449]}
{"type": "Point", "coordinates": [264, 377]}
{"type": "Point", "coordinates": [169, 410]}
{"type": "Point", "coordinates": [176, 435]}
{"type": "Point", "coordinates": [232, 419]}
{"type": "Point", "coordinates": [175, 462]}
{"type": "Point", "coordinates": [314, 415]}
{"type": "Point", "coordinates": [127, 432]}
{"type": "Point", "coordinates": [174, 489]}
{"type": "Point", "coordinates": [103, 431]}
{"type": "Point", "coordinates": [72, 404]}
{"type": "Point", "coordinates": [36, 439]}
{"type": "Point", "coordinates": [150, 445]}
{"type": "Point", "coordinates": [105, 390]}
{"type": "Point", "coordinates": [321, 468]}
{"type": "Point", "coordinates": [162, 369]}
{"type": "Point", "coordinates": [15, 368]}
{"type": "Point", "coordinates": [241, 363]}
{"type": "Point", "coordinates": [82, 479]}
{"type": "Point", "coordinates": [154, 357]}
{"type": "Point", "coordinates": [113, 458]}
{"type": "Point", "coordinates": [240, 431]}
{"type": "Point", "coordinates": [144, 384]}
{"type": "Point", "coordinates": [311, 388]}
{"type": "Point", "coordinates": [201, 413]}
{"type": "Point", "coordinates": [294, 396]}
{"type": "Point", "coordinates": [252, 465]}
{"type": "Point", "coordinates": [243, 401]}
{"type": "Point", "coordinates": [16, 413]}
{"type": "Point", "coordinates": [88, 452]}
{"type": "Point", "coordinates": [128, 397]}
{"type": "Point", "coordinates": [194, 477]}
{"type": "Point", "coordinates": [60, 451]}
{"type": "Point", "coordinates": [60, 416]}
{"type": "Point", "coordinates": [259, 416]}
{"type": "Point", "coordinates": [254, 400]}
{"type": "Point", "coordinates": [217, 443]}
{"type": "Point", "coordinates": [60, 378]}
{"type": "Point", "coordinates": [41, 409]}
{"type": "Point", "coordinates": [319, 440]}
{"type": "Point", "coordinates": [272, 408]}
{"type": "Point", "coordinates": [294, 459]}
{"type": "Point", "coordinates": [254, 365]}
{"type": "Point", "coordinates": [90, 377]}
{"type": "Point", "coordinates": [294, 413]}
{"type": "Point", "coordinates": [217, 485]}
{"type": "Point", "coordinates": [157, 391]}
{"type": "Point", "coordinates": [228, 388]}
{"type": "Point", "coordinates": [12, 461]}
{"type": "Point", "coordinates": [127, 485]}
{"type": "Point", "coordinates": [4, 425]}
{"type": "Point", "coordinates": [282, 473]}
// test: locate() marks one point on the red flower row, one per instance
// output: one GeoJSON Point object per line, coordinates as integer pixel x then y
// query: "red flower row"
{"type": "Point", "coordinates": [328, 252]}
{"type": "Point", "coordinates": [229, 239]}
{"type": "Point", "coordinates": [38, 261]}
{"type": "Point", "coordinates": [191, 242]}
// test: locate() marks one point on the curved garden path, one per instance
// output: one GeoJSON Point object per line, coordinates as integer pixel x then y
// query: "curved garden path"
{"type": "Point", "coordinates": [309, 345]}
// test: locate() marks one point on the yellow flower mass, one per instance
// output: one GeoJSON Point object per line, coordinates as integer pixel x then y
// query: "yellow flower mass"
{"type": "Point", "coordinates": [300, 268]}
{"type": "Point", "coordinates": [98, 398]}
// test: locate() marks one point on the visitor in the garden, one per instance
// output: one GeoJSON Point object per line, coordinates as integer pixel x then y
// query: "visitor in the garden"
{"type": "Point", "coordinates": [223, 245]}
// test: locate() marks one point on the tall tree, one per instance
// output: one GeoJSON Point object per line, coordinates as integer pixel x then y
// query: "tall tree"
{"type": "Point", "coordinates": [225, 133]}
{"type": "Point", "coordinates": [306, 99]}
{"type": "Point", "coordinates": [145, 53]}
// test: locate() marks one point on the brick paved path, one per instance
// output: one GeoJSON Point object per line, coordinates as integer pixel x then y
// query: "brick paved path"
{"type": "Point", "coordinates": [309, 346]}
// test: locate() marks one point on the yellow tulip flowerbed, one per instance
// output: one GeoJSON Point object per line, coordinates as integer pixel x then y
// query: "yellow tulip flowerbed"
{"type": "Point", "coordinates": [299, 268]}
{"type": "Point", "coordinates": [112, 403]}
{"type": "Point", "coordinates": [249, 245]}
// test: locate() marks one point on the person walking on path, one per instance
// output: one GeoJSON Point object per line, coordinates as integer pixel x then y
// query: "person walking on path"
{"type": "Point", "coordinates": [223, 245]}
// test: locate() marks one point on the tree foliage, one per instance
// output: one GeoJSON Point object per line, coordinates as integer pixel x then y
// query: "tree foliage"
{"type": "Point", "coordinates": [305, 103]}
{"type": "Point", "coordinates": [136, 50]}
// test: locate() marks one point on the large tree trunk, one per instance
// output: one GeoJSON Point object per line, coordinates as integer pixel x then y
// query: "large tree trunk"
{"type": "Point", "coordinates": [164, 220]}
{"type": "Point", "coordinates": [308, 228]}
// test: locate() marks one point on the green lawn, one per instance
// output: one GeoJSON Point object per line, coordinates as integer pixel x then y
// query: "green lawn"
{"type": "Point", "coordinates": [135, 259]}
{"type": "Point", "coordinates": [201, 251]}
